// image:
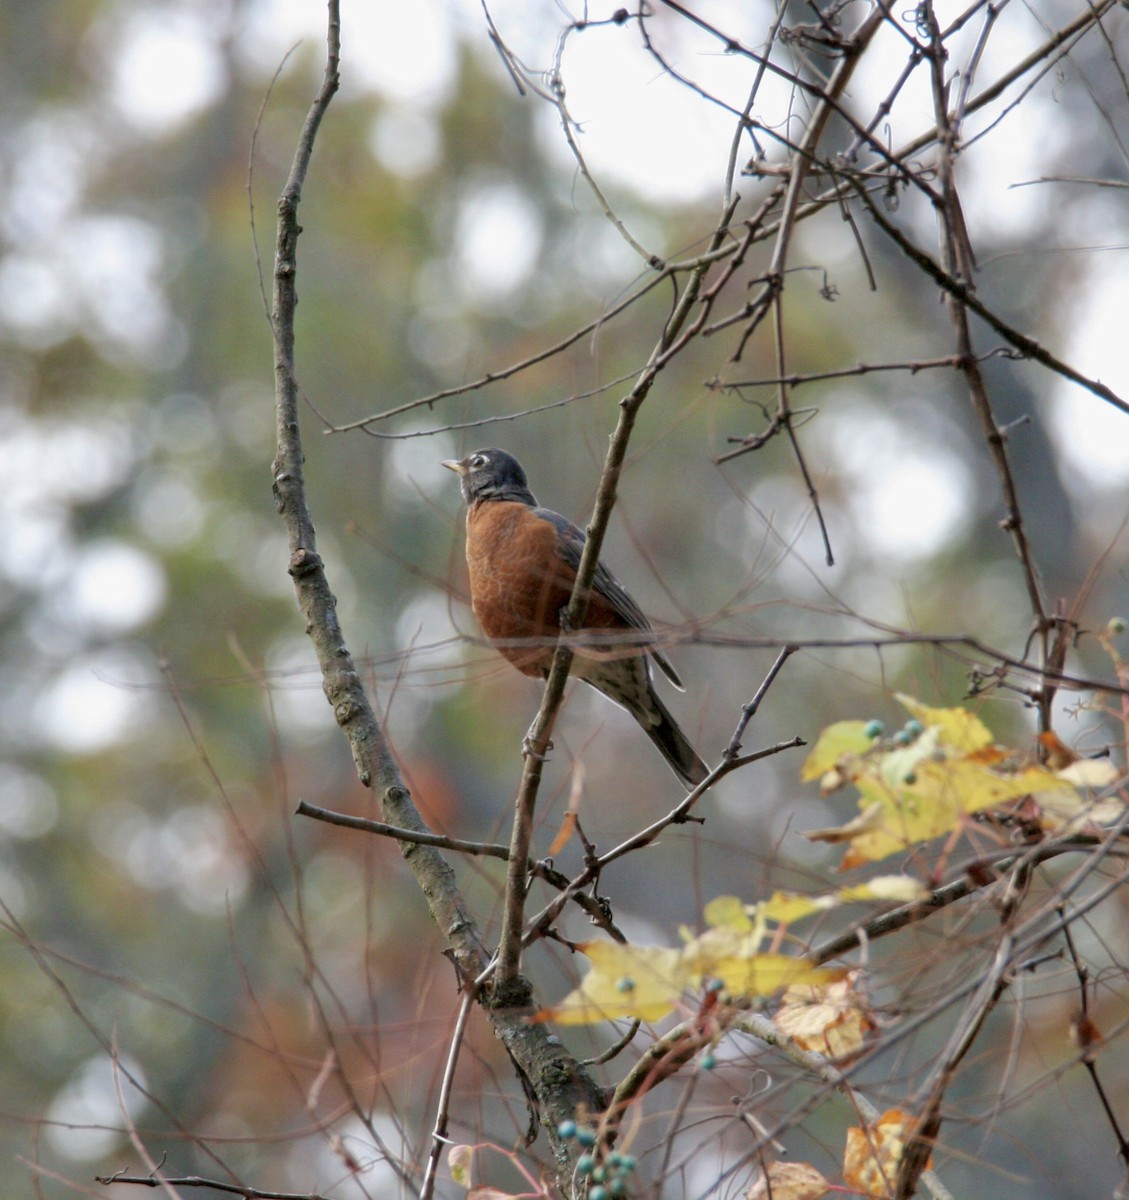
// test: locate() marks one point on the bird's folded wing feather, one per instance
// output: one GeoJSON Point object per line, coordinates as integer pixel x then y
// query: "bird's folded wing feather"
{"type": "Point", "coordinates": [570, 546]}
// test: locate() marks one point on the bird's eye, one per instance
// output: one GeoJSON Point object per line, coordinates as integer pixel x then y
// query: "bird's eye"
{"type": "Point", "coordinates": [476, 461]}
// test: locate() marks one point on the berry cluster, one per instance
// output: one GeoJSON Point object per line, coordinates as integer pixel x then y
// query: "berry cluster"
{"type": "Point", "coordinates": [609, 1177]}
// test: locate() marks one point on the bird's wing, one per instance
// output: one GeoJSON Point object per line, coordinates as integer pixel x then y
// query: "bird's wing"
{"type": "Point", "coordinates": [570, 546]}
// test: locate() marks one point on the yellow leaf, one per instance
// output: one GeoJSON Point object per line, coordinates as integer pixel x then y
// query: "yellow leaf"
{"type": "Point", "coordinates": [789, 1181]}
{"type": "Point", "coordinates": [833, 1020]}
{"type": "Point", "coordinates": [1071, 812]}
{"type": "Point", "coordinates": [700, 953]}
{"type": "Point", "coordinates": [727, 912]}
{"type": "Point", "coordinates": [843, 738]}
{"type": "Point", "coordinates": [957, 727]}
{"type": "Point", "coordinates": [870, 1163]}
{"type": "Point", "coordinates": [901, 888]}
{"type": "Point", "coordinates": [787, 907]}
{"type": "Point", "coordinates": [765, 974]}
{"type": "Point", "coordinates": [942, 791]}
{"type": "Point", "coordinates": [869, 819]}
{"type": "Point", "coordinates": [639, 982]}
{"type": "Point", "coordinates": [460, 1159]}
{"type": "Point", "coordinates": [1090, 773]}
{"type": "Point", "coordinates": [930, 803]}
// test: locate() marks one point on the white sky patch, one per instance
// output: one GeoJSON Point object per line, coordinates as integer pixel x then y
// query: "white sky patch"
{"type": "Point", "coordinates": [168, 508]}
{"type": "Point", "coordinates": [1091, 435]}
{"type": "Point", "coordinates": [114, 587]}
{"type": "Point", "coordinates": [48, 466]}
{"type": "Point", "coordinates": [271, 27]}
{"type": "Point", "coordinates": [166, 68]}
{"type": "Point", "coordinates": [49, 168]}
{"type": "Point", "coordinates": [497, 239]}
{"type": "Point", "coordinates": [35, 300]}
{"type": "Point", "coordinates": [94, 703]}
{"type": "Point", "coordinates": [96, 275]}
{"type": "Point", "coordinates": [906, 504]}
{"type": "Point", "coordinates": [406, 141]}
{"type": "Point", "coordinates": [640, 127]}
{"type": "Point", "coordinates": [404, 51]}
{"type": "Point", "coordinates": [427, 621]}
{"type": "Point", "coordinates": [911, 506]}
{"type": "Point", "coordinates": [85, 1116]}
{"type": "Point", "coordinates": [296, 694]}
{"type": "Point", "coordinates": [118, 263]}
{"type": "Point", "coordinates": [317, 1159]}
{"type": "Point", "coordinates": [29, 807]}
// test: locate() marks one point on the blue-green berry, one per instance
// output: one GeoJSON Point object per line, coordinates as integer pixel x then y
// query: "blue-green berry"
{"type": "Point", "coordinates": [626, 984]}
{"type": "Point", "coordinates": [707, 1062]}
{"type": "Point", "coordinates": [874, 729]}
{"type": "Point", "coordinates": [567, 1129]}
{"type": "Point", "coordinates": [914, 728]}
{"type": "Point", "coordinates": [586, 1137]}
{"type": "Point", "coordinates": [585, 1164]}
{"type": "Point", "coordinates": [598, 1193]}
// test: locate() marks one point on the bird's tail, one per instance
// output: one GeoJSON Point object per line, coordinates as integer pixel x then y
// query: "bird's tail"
{"type": "Point", "coordinates": [672, 742]}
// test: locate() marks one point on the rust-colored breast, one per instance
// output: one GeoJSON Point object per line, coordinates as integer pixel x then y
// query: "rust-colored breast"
{"type": "Point", "coordinates": [518, 582]}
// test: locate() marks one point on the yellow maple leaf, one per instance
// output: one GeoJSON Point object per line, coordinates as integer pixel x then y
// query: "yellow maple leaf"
{"type": "Point", "coordinates": [833, 1019]}
{"type": "Point", "coordinates": [870, 818]}
{"type": "Point", "coordinates": [766, 974]}
{"type": "Point", "coordinates": [957, 727]}
{"type": "Point", "coordinates": [728, 912]}
{"type": "Point", "coordinates": [787, 907]}
{"type": "Point", "coordinates": [928, 802]}
{"type": "Point", "coordinates": [639, 982]}
{"type": "Point", "coordinates": [903, 889]}
{"type": "Point", "coordinates": [843, 739]}
{"type": "Point", "coordinates": [1089, 773]}
{"type": "Point", "coordinates": [873, 1154]}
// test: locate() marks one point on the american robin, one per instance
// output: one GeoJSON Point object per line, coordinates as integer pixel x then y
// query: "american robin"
{"type": "Point", "coordinates": [523, 562]}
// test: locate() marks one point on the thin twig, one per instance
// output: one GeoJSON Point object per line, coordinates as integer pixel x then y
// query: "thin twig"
{"type": "Point", "coordinates": [750, 709]}
{"type": "Point", "coordinates": [443, 1108]}
{"type": "Point", "coordinates": [215, 1185]}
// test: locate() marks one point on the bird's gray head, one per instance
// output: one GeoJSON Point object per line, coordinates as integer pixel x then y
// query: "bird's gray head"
{"type": "Point", "coordinates": [491, 474]}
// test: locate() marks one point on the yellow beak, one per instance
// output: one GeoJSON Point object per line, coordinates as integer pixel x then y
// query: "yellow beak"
{"type": "Point", "coordinates": [454, 464]}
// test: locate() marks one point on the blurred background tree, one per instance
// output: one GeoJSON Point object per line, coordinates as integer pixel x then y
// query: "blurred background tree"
{"type": "Point", "coordinates": [161, 713]}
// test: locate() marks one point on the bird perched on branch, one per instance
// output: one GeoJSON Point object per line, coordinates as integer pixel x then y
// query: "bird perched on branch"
{"type": "Point", "coordinates": [523, 561]}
